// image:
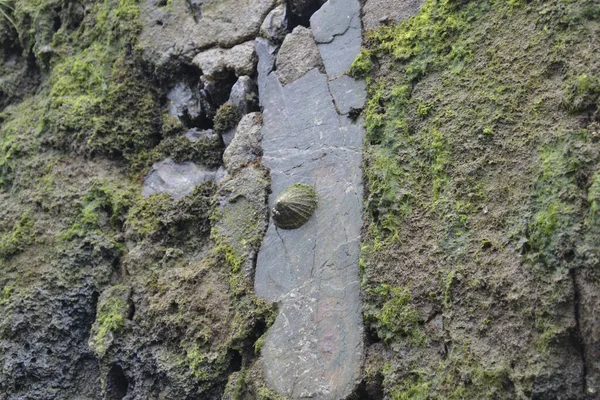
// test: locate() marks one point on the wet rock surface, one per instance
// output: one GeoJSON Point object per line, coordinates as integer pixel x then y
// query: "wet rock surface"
{"type": "Point", "coordinates": [314, 349]}
{"type": "Point", "coordinates": [175, 179]}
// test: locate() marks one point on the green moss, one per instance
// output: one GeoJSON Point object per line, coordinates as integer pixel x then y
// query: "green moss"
{"type": "Point", "coordinates": [7, 292]}
{"type": "Point", "coordinates": [227, 118]}
{"type": "Point", "coordinates": [206, 150]}
{"type": "Point", "coordinates": [396, 318]}
{"type": "Point", "coordinates": [361, 66]}
{"type": "Point", "coordinates": [185, 220]}
{"type": "Point", "coordinates": [583, 94]}
{"type": "Point", "coordinates": [461, 376]}
{"type": "Point", "coordinates": [110, 320]}
{"type": "Point", "coordinates": [21, 236]}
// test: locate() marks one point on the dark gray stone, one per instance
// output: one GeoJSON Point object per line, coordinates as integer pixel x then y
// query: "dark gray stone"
{"type": "Point", "coordinates": [244, 95]}
{"type": "Point", "coordinates": [337, 29]}
{"type": "Point", "coordinates": [185, 104]}
{"type": "Point", "coordinates": [348, 93]}
{"type": "Point", "coordinates": [334, 19]}
{"type": "Point", "coordinates": [339, 54]}
{"type": "Point", "coordinates": [175, 179]}
{"type": "Point", "coordinates": [298, 55]}
{"type": "Point", "coordinates": [266, 53]}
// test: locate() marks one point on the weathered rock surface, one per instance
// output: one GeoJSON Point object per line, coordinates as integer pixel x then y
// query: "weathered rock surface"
{"type": "Point", "coordinates": [245, 145]}
{"type": "Point", "coordinates": [376, 12]}
{"type": "Point", "coordinates": [175, 179]}
{"type": "Point", "coordinates": [297, 56]}
{"type": "Point", "coordinates": [178, 30]}
{"type": "Point", "coordinates": [214, 62]}
{"type": "Point", "coordinates": [274, 27]}
{"type": "Point", "coordinates": [314, 349]}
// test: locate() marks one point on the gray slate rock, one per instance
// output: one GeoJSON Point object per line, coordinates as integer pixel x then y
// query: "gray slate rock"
{"type": "Point", "coordinates": [244, 95]}
{"type": "Point", "coordinates": [175, 179]}
{"type": "Point", "coordinates": [245, 146]}
{"type": "Point", "coordinates": [337, 28]}
{"type": "Point", "coordinates": [298, 55]}
{"type": "Point", "coordinates": [314, 349]}
{"type": "Point", "coordinates": [334, 19]}
{"type": "Point", "coordinates": [377, 12]}
{"type": "Point", "coordinates": [348, 93]}
{"type": "Point", "coordinates": [185, 104]}
{"type": "Point", "coordinates": [241, 59]}
{"type": "Point", "coordinates": [266, 53]}
{"type": "Point", "coordinates": [274, 27]}
{"type": "Point", "coordinates": [176, 31]}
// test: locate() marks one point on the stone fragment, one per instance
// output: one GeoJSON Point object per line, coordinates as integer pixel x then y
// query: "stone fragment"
{"type": "Point", "coordinates": [334, 19]}
{"type": "Point", "coordinates": [245, 145]}
{"type": "Point", "coordinates": [376, 12]}
{"type": "Point", "coordinates": [298, 55]}
{"type": "Point", "coordinates": [185, 104]}
{"type": "Point", "coordinates": [274, 27]}
{"type": "Point", "coordinates": [266, 53]}
{"type": "Point", "coordinates": [178, 31]}
{"type": "Point", "coordinates": [175, 179]}
{"type": "Point", "coordinates": [337, 28]}
{"type": "Point", "coordinates": [244, 95]}
{"type": "Point", "coordinates": [214, 62]}
{"type": "Point", "coordinates": [348, 93]}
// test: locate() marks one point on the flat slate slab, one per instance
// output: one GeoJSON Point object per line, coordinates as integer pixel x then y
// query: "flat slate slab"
{"type": "Point", "coordinates": [314, 349]}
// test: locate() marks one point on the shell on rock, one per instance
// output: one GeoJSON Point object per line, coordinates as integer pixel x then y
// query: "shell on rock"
{"type": "Point", "coordinates": [294, 206]}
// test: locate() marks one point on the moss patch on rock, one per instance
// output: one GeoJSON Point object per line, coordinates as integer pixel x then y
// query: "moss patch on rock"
{"type": "Point", "coordinates": [479, 162]}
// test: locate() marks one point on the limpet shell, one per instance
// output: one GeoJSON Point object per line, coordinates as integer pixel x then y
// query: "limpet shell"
{"type": "Point", "coordinates": [294, 206]}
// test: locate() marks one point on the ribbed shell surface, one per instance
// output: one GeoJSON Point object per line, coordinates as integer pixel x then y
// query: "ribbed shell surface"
{"type": "Point", "coordinates": [294, 206]}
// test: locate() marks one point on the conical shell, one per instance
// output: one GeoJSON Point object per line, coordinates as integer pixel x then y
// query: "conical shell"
{"type": "Point", "coordinates": [294, 206]}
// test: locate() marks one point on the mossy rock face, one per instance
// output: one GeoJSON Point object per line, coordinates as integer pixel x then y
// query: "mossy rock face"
{"type": "Point", "coordinates": [294, 206]}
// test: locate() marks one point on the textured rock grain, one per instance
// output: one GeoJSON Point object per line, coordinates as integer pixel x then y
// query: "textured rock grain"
{"type": "Point", "coordinates": [297, 56]}
{"type": "Point", "coordinates": [174, 31]}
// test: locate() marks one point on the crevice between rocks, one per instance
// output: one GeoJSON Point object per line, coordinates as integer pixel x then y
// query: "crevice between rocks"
{"type": "Point", "coordinates": [578, 336]}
